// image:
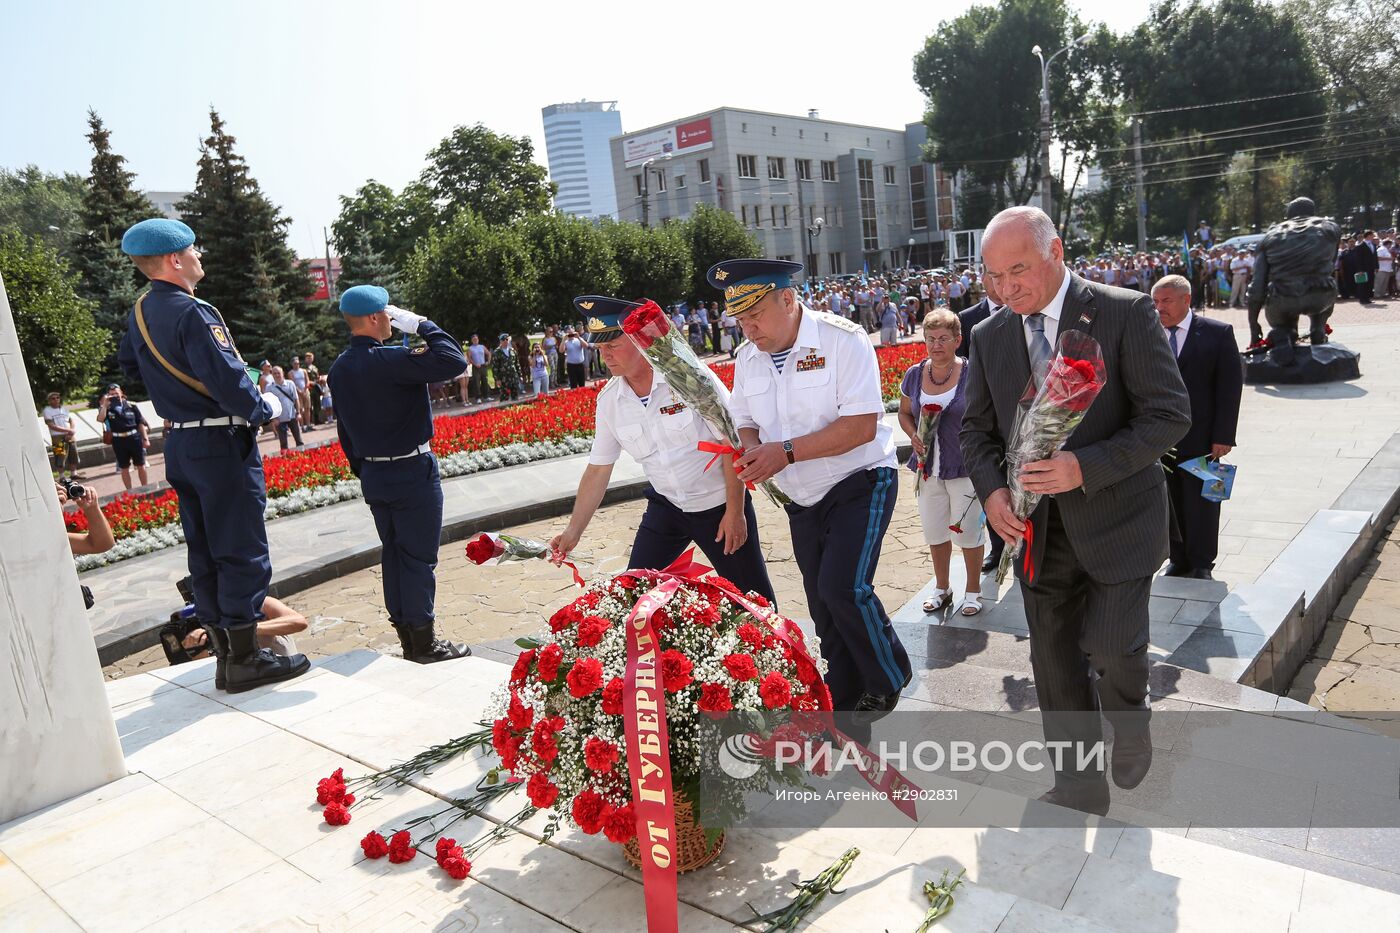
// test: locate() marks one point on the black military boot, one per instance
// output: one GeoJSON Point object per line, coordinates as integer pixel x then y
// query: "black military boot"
{"type": "Point", "coordinates": [218, 647]}
{"type": "Point", "coordinates": [249, 666]}
{"type": "Point", "coordinates": [421, 647]}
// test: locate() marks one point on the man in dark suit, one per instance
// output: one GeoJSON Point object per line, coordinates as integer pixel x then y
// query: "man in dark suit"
{"type": "Point", "coordinates": [1365, 261]}
{"type": "Point", "coordinates": [969, 319]}
{"type": "Point", "coordinates": [1095, 545]}
{"type": "Point", "coordinates": [1211, 367]}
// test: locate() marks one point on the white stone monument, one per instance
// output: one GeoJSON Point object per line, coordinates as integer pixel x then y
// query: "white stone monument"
{"type": "Point", "coordinates": [57, 738]}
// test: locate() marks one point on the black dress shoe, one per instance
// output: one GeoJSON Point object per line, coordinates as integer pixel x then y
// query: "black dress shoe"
{"type": "Point", "coordinates": [1132, 757]}
{"type": "Point", "coordinates": [1176, 570]}
{"type": "Point", "coordinates": [990, 563]}
{"type": "Point", "coordinates": [871, 706]}
{"type": "Point", "coordinates": [1091, 798]}
{"type": "Point", "coordinates": [1200, 575]}
{"type": "Point", "coordinates": [422, 646]}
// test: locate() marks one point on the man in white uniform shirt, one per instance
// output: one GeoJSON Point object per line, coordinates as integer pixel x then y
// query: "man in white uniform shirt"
{"type": "Point", "coordinates": [809, 411]}
{"type": "Point", "coordinates": [687, 502]}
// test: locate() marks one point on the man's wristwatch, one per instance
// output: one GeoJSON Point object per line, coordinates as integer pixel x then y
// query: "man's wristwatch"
{"type": "Point", "coordinates": [787, 449]}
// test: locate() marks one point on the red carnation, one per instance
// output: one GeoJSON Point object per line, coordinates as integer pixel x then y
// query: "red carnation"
{"type": "Point", "coordinates": [724, 584]}
{"type": "Point", "coordinates": [484, 547]}
{"type": "Point", "coordinates": [520, 715]}
{"type": "Point", "coordinates": [328, 792]}
{"type": "Point", "coordinates": [521, 669]}
{"type": "Point", "coordinates": [544, 746]}
{"type": "Point", "coordinates": [444, 845]}
{"type": "Point", "coordinates": [564, 618]}
{"type": "Point", "coordinates": [612, 697]}
{"type": "Point", "coordinates": [457, 868]}
{"type": "Point", "coordinates": [588, 601]}
{"type": "Point", "coordinates": [646, 324]}
{"type": "Point", "coordinates": [626, 582]}
{"type": "Point", "coordinates": [775, 691]}
{"type": "Point", "coordinates": [751, 636]}
{"type": "Point", "coordinates": [715, 700]}
{"type": "Point", "coordinates": [336, 814]}
{"type": "Point", "coordinates": [620, 824]}
{"type": "Point", "coordinates": [591, 631]}
{"type": "Point", "coordinates": [741, 666]}
{"type": "Point", "coordinates": [675, 670]}
{"type": "Point", "coordinates": [374, 845]}
{"type": "Point", "coordinates": [588, 810]}
{"type": "Point", "coordinates": [541, 791]}
{"type": "Point", "coordinates": [661, 620]}
{"type": "Point", "coordinates": [401, 848]}
{"type": "Point", "coordinates": [585, 677]}
{"type": "Point", "coordinates": [550, 657]}
{"type": "Point", "coordinates": [599, 754]}
{"type": "Point", "coordinates": [706, 615]}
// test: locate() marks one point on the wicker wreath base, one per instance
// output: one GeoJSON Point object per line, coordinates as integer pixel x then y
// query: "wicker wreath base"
{"type": "Point", "coordinates": [691, 851]}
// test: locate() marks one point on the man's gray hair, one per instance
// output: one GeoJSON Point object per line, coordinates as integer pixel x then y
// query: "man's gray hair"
{"type": "Point", "coordinates": [1033, 219]}
{"type": "Point", "coordinates": [1177, 282]}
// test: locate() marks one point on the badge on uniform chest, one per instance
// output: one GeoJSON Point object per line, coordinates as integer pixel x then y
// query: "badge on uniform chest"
{"type": "Point", "coordinates": [675, 408]}
{"type": "Point", "coordinates": [810, 362]}
{"type": "Point", "coordinates": [220, 336]}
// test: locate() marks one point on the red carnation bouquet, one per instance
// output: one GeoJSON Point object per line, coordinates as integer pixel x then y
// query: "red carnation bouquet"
{"type": "Point", "coordinates": [1052, 406]}
{"type": "Point", "coordinates": [928, 426]}
{"type": "Point", "coordinates": [559, 721]}
{"type": "Point", "coordinates": [690, 380]}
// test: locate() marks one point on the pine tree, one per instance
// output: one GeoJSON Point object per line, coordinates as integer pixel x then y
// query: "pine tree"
{"type": "Point", "coordinates": [270, 329]}
{"type": "Point", "coordinates": [238, 228]}
{"type": "Point", "coordinates": [362, 264]}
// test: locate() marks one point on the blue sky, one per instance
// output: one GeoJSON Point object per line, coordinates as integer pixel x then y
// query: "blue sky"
{"type": "Point", "coordinates": [323, 96]}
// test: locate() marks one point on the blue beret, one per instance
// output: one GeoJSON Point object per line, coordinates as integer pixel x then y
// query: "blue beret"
{"type": "Point", "coordinates": [603, 316]}
{"type": "Point", "coordinates": [157, 237]}
{"type": "Point", "coordinates": [745, 282]}
{"type": "Point", "coordinates": [363, 299]}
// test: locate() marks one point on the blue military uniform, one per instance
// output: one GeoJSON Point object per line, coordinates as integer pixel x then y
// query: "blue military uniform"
{"type": "Point", "coordinates": [181, 349]}
{"type": "Point", "coordinates": [384, 419]}
{"type": "Point", "coordinates": [685, 502]}
{"type": "Point", "coordinates": [124, 422]}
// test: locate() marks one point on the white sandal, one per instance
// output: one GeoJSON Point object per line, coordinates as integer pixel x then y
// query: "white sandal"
{"type": "Point", "coordinates": [938, 600]}
{"type": "Point", "coordinates": [971, 604]}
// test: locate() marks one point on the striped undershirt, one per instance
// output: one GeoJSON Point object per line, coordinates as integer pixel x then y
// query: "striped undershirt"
{"type": "Point", "coordinates": [780, 358]}
{"type": "Point", "coordinates": [644, 399]}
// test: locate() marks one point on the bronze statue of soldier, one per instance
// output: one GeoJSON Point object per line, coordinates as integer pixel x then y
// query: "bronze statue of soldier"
{"type": "Point", "coordinates": [1293, 276]}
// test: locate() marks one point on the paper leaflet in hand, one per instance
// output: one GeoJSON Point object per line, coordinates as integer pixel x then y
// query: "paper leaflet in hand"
{"type": "Point", "coordinates": [1217, 479]}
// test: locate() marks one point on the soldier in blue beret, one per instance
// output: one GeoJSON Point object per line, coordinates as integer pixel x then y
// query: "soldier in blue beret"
{"type": "Point", "coordinates": [686, 502]}
{"type": "Point", "coordinates": [181, 348]}
{"type": "Point", "coordinates": [809, 410]}
{"type": "Point", "coordinates": [384, 418]}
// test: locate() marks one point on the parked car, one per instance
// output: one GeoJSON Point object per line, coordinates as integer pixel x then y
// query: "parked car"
{"type": "Point", "coordinates": [1244, 241]}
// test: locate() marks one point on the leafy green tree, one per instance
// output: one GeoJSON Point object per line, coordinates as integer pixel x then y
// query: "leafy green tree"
{"type": "Point", "coordinates": [713, 235]}
{"type": "Point", "coordinates": [573, 257]}
{"type": "Point", "coordinates": [475, 277]}
{"type": "Point", "coordinates": [238, 227]}
{"type": "Point", "coordinates": [34, 203]}
{"type": "Point", "coordinates": [493, 175]}
{"type": "Point", "coordinates": [653, 262]}
{"type": "Point", "coordinates": [362, 264]}
{"type": "Point", "coordinates": [62, 347]}
{"type": "Point", "coordinates": [394, 222]}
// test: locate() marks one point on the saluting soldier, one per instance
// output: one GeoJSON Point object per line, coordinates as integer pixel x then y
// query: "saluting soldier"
{"type": "Point", "coordinates": [181, 348]}
{"type": "Point", "coordinates": [637, 413]}
{"type": "Point", "coordinates": [808, 407]}
{"type": "Point", "coordinates": [385, 420]}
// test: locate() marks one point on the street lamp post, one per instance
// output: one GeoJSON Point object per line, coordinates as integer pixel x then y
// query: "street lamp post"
{"type": "Point", "coordinates": [909, 254]}
{"type": "Point", "coordinates": [646, 189]}
{"type": "Point", "coordinates": [1045, 192]}
{"type": "Point", "coordinates": [814, 230]}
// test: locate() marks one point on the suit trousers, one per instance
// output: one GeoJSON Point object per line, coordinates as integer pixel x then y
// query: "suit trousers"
{"type": "Point", "coordinates": [836, 542]}
{"type": "Point", "coordinates": [1080, 628]}
{"type": "Point", "coordinates": [666, 530]}
{"type": "Point", "coordinates": [405, 498]}
{"type": "Point", "coordinates": [1196, 521]}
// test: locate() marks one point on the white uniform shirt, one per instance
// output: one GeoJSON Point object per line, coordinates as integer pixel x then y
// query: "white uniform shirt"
{"type": "Point", "coordinates": [662, 437]}
{"type": "Point", "coordinates": [830, 372]}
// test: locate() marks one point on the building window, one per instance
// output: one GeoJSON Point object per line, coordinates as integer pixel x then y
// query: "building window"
{"type": "Point", "coordinates": [773, 214]}
{"type": "Point", "coordinates": [801, 134]}
{"type": "Point", "coordinates": [744, 214]}
{"type": "Point", "coordinates": [777, 167]}
{"type": "Point", "coordinates": [889, 174]}
{"type": "Point", "coordinates": [918, 207]}
{"type": "Point", "coordinates": [748, 166]}
{"type": "Point", "coordinates": [660, 181]}
{"type": "Point", "coordinates": [785, 215]}
{"type": "Point", "coordinates": [680, 181]}
{"type": "Point", "coordinates": [786, 257]}
{"type": "Point", "coordinates": [757, 217]}
{"type": "Point", "coordinates": [638, 180]}
{"type": "Point", "coordinates": [869, 227]}
{"type": "Point", "coordinates": [834, 264]}
{"type": "Point", "coordinates": [775, 131]}
{"type": "Point", "coordinates": [743, 127]}
{"type": "Point", "coordinates": [826, 137]}
{"type": "Point", "coordinates": [804, 169]}
{"type": "Point", "coordinates": [867, 142]}
{"type": "Point", "coordinates": [811, 214]}
{"type": "Point", "coordinates": [828, 170]}
{"type": "Point", "coordinates": [704, 171]}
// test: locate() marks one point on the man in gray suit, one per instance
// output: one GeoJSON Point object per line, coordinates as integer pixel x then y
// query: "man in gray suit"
{"type": "Point", "coordinates": [1099, 540]}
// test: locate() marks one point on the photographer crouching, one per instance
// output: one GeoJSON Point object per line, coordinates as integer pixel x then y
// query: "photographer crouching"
{"type": "Point", "coordinates": [184, 640]}
{"type": "Point", "coordinates": [98, 537]}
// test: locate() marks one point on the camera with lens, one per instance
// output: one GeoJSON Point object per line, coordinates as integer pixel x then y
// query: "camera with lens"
{"type": "Point", "coordinates": [74, 491]}
{"type": "Point", "coordinates": [182, 622]}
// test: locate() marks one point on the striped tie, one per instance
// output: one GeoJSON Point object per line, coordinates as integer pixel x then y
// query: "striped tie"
{"type": "Point", "coordinates": [1176, 347]}
{"type": "Point", "coordinates": [1039, 346]}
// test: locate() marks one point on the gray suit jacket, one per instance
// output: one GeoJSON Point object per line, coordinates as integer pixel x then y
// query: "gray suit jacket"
{"type": "Point", "coordinates": [1117, 521]}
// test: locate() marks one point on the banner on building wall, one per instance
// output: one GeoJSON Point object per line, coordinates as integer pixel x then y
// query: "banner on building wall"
{"type": "Point", "coordinates": [681, 139]}
{"type": "Point", "coordinates": [318, 278]}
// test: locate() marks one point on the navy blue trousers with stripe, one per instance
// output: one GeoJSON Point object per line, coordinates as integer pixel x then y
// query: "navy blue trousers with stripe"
{"type": "Point", "coordinates": [837, 546]}
{"type": "Point", "coordinates": [405, 498]}
{"type": "Point", "coordinates": [666, 530]}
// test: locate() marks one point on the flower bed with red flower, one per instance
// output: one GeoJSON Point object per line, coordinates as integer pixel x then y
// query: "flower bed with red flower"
{"type": "Point", "coordinates": [562, 415]}
{"type": "Point", "coordinates": [558, 722]}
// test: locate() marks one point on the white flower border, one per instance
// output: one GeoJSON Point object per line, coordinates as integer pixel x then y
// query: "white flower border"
{"type": "Point", "coordinates": [302, 500]}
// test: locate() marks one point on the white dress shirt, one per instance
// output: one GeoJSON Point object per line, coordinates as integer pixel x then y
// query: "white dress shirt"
{"type": "Point", "coordinates": [830, 372]}
{"type": "Point", "coordinates": [661, 436]}
{"type": "Point", "coordinates": [1181, 331]}
{"type": "Point", "coordinates": [1052, 316]}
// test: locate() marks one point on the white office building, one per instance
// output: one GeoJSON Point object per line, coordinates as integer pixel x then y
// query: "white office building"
{"type": "Point", "coordinates": [580, 158]}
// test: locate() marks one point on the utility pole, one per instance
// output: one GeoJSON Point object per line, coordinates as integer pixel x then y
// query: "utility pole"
{"type": "Point", "coordinates": [646, 190]}
{"type": "Point", "coordinates": [1046, 203]}
{"type": "Point", "coordinates": [330, 279]}
{"type": "Point", "coordinates": [802, 219]}
{"type": "Point", "coordinates": [1140, 195]}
